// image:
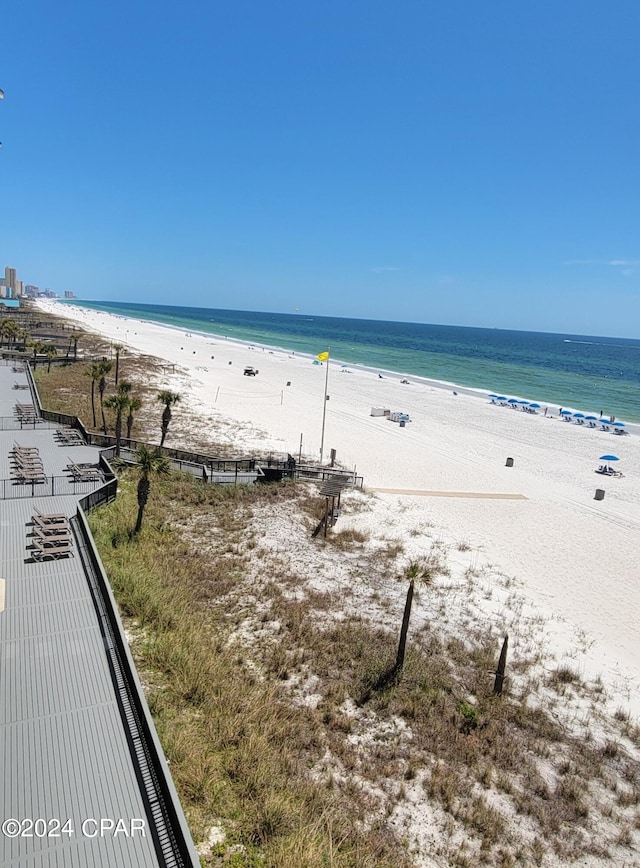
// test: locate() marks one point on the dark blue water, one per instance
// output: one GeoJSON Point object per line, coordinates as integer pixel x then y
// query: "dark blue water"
{"type": "Point", "coordinates": [587, 373]}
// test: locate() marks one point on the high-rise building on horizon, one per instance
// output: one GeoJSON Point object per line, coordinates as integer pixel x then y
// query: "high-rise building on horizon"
{"type": "Point", "coordinates": [11, 287]}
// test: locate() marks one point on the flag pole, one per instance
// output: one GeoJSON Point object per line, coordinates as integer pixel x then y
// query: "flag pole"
{"type": "Point", "coordinates": [324, 406]}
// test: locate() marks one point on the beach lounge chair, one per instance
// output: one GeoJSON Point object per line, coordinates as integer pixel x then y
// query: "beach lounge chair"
{"type": "Point", "coordinates": [19, 449]}
{"type": "Point", "coordinates": [84, 474]}
{"type": "Point", "coordinates": [43, 550]}
{"type": "Point", "coordinates": [25, 472]}
{"type": "Point", "coordinates": [69, 437]}
{"type": "Point", "coordinates": [52, 531]}
{"type": "Point", "coordinates": [26, 461]}
{"type": "Point", "coordinates": [43, 518]}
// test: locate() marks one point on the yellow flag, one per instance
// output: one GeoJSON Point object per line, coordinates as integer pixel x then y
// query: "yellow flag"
{"type": "Point", "coordinates": [322, 357]}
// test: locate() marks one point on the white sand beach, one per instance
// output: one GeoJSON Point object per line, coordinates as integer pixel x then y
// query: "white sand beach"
{"type": "Point", "coordinates": [571, 560]}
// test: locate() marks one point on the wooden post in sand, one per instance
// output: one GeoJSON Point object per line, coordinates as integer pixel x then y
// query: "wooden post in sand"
{"type": "Point", "coordinates": [502, 665]}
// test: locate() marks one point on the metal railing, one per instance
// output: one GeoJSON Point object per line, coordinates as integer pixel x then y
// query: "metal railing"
{"type": "Point", "coordinates": [318, 473]}
{"type": "Point", "coordinates": [10, 423]}
{"type": "Point", "coordinates": [170, 834]}
{"type": "Point", "coordinates": [15, 489]}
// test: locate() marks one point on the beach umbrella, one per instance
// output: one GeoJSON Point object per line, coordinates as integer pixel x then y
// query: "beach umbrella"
{"type": "Point", "coordinates": [608, 458]}
{"type": "Point", "coordinates": [565, 413]}
{"type": "Point", "coordinates": [502, 397]}
{"type": "Point", "coordinates": [591, 418]}
{"type": "Point", "coordinates": [605, 421]}
{"type": "Point", "coordinates": [494, 396]}
{"type": "Point", "coordinates": [523, 402]}
{"type": "Point", "coordinates": [578, 416]}
{"type": "Point", "coordinates": [618, 424]}
{"type": "Point", "coordinates": [513, 401]}
{"type": "Point", "coordinates": [535, 406]}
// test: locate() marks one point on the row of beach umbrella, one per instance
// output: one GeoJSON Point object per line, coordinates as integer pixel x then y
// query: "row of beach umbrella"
{"type": "Point", "coordinates": [601, 419]}
{"type": "Point", "coordinates": [515, 401]}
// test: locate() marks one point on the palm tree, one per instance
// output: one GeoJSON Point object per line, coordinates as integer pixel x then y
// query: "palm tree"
{"type": "Point", "coordinates": [119, 402]}
{"type": "Point", "coordinates": [10, 330]}
{"type": "Point", "coordinates": [149, 463]}
{"type": "Point", "coordinates": [73, 339]}
{"type": "Point", "coordinates": [413, 572]}
{"type": "Point", "coordinates": [22, 337]}
{"type": "Point", "coordinates": [134, 406]}
{"type": "Point", "coordinates": [167, 398]}
{"type": "Point", "coordinates": [37, 347]}
{"type": "Point", "coordinates": [118, 348]}
{"type": "Point", "coordinates": [95, 372]}
{"type": "Point", "coordinates": [50, 352]}
{"type": "Point", "coordinates": [105, 367]}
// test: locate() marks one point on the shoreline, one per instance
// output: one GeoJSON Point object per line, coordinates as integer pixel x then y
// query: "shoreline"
{"type": "Point", "coordinates": [571, 558]}
{"type": "Point", "coordinates": [471, 391]}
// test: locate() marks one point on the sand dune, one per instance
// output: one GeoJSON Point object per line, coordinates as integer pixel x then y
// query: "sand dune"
{"type": "Point", "coordinates": [574, 559]}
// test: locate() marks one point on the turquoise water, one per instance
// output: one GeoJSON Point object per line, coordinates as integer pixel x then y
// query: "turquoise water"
{"type": "Point", "coordinates": [577, 371]}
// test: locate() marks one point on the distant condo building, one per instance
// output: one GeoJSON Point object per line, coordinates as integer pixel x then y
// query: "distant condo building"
{"type": "Point", "coordinates": [10, 286]}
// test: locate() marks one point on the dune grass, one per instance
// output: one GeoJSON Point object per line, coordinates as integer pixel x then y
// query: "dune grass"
{"type": "Point", "coordinates": [239, 753]}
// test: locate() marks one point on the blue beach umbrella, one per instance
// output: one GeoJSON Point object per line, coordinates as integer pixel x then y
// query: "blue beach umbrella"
{"type": "Point", "coordinates": [608, 458]}
{"type": "Point", "coordinates": [618, 424]}
{"type": "Point", "coordinates": [578, 416]}
{"type": "Point", "coordinates": [565, 413]}
{"type": "Point", "coordinates": [535, 406]}
{"type": "Point", "coordinates": [494, 396]}
{"type": "Point", "coordinates": [513, 401]}
{"type": "Point", "coordinates": [502, 397]}
{"type": "Point", "coordinates": [605, 421]}
{"type": "Point", "coordinates": [591, 418]}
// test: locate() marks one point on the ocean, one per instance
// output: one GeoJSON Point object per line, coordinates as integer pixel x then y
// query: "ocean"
{"type": "Point", "coordinates": [590, 374]}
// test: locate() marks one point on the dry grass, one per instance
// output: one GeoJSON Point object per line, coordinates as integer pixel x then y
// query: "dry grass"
{"type": "Point", "coordinates": [239, 752]}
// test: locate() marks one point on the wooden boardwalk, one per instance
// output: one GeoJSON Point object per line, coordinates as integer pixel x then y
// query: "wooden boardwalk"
{"type": "Point", "coordinates": [486, 495]}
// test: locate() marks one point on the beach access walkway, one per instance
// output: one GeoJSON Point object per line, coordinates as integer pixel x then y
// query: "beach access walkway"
{"type": "Point", "coordinates": [84, 778]}
{"type": "Point", "coordinates": [487, 495]}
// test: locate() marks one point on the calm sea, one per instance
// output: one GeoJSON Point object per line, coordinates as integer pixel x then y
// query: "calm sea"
{"type": "Point", "coordinates": [586, 373]}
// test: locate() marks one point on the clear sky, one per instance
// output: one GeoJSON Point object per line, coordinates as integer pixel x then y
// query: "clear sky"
{"type": "Point", "coordinates": [449, 162]}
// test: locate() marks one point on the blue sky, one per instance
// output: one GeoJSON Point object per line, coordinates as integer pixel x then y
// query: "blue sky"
{"type": "Point", "coordinates": [459, 163]}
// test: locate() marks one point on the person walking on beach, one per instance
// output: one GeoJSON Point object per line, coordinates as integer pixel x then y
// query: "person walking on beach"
{"type": "Point", "coordinates": [560, 412]}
